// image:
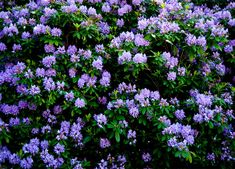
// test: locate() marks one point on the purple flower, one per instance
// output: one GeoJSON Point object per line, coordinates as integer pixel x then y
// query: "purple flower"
{"type": "Point", "coordinates": [49, 48]}
{"type": "Point", "coordinates": [64, 130]}
{"type": "Point", "coordinates": [231, 22]}
{"type": "Point", "coordinates": [198, 118]}
{"type": "Point", "coordinates": [211, 157]}
{"type": "Point", "coordinates": [102, 100]}
{"type": "Point", "coordinates": [34, 90]}
{"type": "Point", "coordinates": [60, 85]}
{"type": "Point", "coordinates": [49, 12]}
{"type": "Point", "coordinates": [146, 157]}
{"type": "Point", "coordinates": [179, 114]}
{"type": "Point", "coordinates": [155, 95]}
{"type": "Point", "coordinates": [74, 58]}
{"type": "Point", "coordinates": [11, 30]}
{"type": "Point", "coordinates": [104, 143]}
{"type": "Point", "coordinates": [57, 109]}
{"type": "Point", "coordinates": [81, 82]}
{"type": "Point", "coordinates": [131, 134]}
{"type": "Point", "coordinates": [83, 9]}
{"type": "Point", "coordinates": [142, 24]}
{"type": "Point", "coordinates": [48, 61]}
{"type": "Point", "coordinates": [69, 96]}
{"type": "Point", "coordinates": [60, 50]}
{"type": "Point", "coordinates": [204, 100]}
{"type": "Point", "coordinates": [136, 2]}
{"type": "Point", "coordinates": [191, 40]}
{"type": "Point", "coordinates": [171, 62]}
{"type": "Point", "coordinates": [125, 57]}
{"type": "Point", "coordinates": [87, 54]}
{"type": "Point", "coordinates": [120, 23]}
{"type": "Point", "coordinates": [165, 120]}
{"type": "Point", "coordinates": [40, 29]}
{"type": "Point", "coordinates": [124, 9]}
{"type": "Point", "coordinates": [166, 27]}
{"type": "Point", "coordinates": [31, 147]}
{"type": "Point", "coordinates": [201, 41]}
{"type": "Point", "coordinates": [69, 9]}
{"type": "Point", "coordinates": [134, 112]}
{"type": "Point", "coordinates": [40, 72]}
{"type": "Point", "coordinates": [140, 41]}
{"type": "Point", "coordinates": [101, 119]}
{"type": "Point", "coordinates": [3, 47]}
{"type": "Point", "coordinates": [220, 68]}
{"type": "Point", "coordinates": [171, 76]}
{"type": "Point", "coordinates": [80, 103]}
{"type": "Point", "coordinates": [28, 74]}
{"type": "Point", "coordinates": [71, 50]}
{"type": "Point", "coordinates": [99, 48]}
{"type": "Point", "coordinates": [49, 84]}
{"type": "Point", "coordinates": [75, 133]}
{"type": "Point", "coordinates": [228, 49]}
{"type": "Point", "coordinates": [14, 159]}
{"type": "Point", "coordinates": [72, 72]}
{"type": "Point", "coordinates": [26, 163]}
{"type": "Point", "coordinates": [106, 8]}
{"type": "Point", "coordinates": [98, 64]}
{"type": "Point", "coordinates": [14, 121]}
{"type": "Point", "coordinates": [16, 47]}
{"type": "Point", "coordinates": [50, 72]}
{"type": "Point", "coordinates": [181, 71]}
{"type": "Point", "coordinates": [59, 148]}
{"type": "Point", "coordinates": [56, 32]}
{"type": "Point", "coordinates": [22, 21]}
{"type": "Point", "coordinates": [140, 58]}
{"type": "Point", "coordinates": [44, 144]}
{"type": "Point", "coordinates": [104, 28]}
{"type": "Point", "coordinates": [91, 81]}
{"type": "Point", "coordinates": [105, 80]}
{"type": "Point", "coordinates": [91, 11]}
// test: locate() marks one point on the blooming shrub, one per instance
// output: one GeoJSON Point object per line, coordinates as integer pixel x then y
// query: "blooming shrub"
{"type": "Point", "coordinates": [116, 84]}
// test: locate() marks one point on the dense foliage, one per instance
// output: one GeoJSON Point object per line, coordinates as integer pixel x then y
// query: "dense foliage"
{"type": "Point", "coordinates": [117, 84]}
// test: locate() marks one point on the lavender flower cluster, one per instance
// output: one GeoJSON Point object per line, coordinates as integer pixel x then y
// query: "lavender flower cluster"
{"type": "Point", "coordinates": [116, 84]}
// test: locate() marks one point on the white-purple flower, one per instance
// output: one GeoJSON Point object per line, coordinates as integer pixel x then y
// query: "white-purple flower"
{"type": "Point", "coordinates": [80, 103]}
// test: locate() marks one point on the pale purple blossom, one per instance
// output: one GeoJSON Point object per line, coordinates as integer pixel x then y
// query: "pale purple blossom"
{"type": "Point", "coordinates": [69, 9]}
{"type": "Point", "coordinates": [125, 57]}
{"type": "Point", "coordinates": [34, 90]}
{"type": "Point", "coordinates": [26, 163]}
{"type": "Point", "coordinates": [180, 114]}
{"type": "Point", "coordinates": [80, 103]}
{"type": "Point", "coordinates": [104, 143]}
{"type": "Point", "coordinates": [3, 47]}
{"type": "Point", "coordinates": [171, 76]}
{"type": "Point", "coordinates": [101, 119]}
{"type": "Point", "coordinates": [140, 58]}
{"type": "Point", "coordinates": [120, 23]}
{"type": "Point", "coordinates": [59, 148]}
{"type": "Point", "coordinates": [134, 112]}
{"type": "Point", "coordinates": [146, 157]}
{"type": "Point", "coordinates": [48, 61]}
{"type": "Point", "coordinates": [56, 32]}
{"type": "Point", "coordinates": [49, 48]}
{"type": "Point", "coordinates": [69, 96]}
{"type": "Point", "coordinates": [98, 63]}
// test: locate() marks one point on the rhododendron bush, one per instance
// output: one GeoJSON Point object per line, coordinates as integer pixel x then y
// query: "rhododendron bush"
{"type": "Point", "coordinates": [117, 84]}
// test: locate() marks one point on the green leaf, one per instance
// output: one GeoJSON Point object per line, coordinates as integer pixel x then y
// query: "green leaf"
{"type": "Point", "coordinates": [211, 125]}
{"type": "Point", "coordinates": [189, 158]}
{"type": "Point", "coordinates": [117, 136]}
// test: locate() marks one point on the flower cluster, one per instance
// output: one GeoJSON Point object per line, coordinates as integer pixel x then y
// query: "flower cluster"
{"type": "Point", "coordinates": [116, 84]}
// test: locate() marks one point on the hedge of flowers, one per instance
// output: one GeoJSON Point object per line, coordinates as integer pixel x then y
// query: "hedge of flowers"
{"type": "Point", "coordinates": [117, 84]}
